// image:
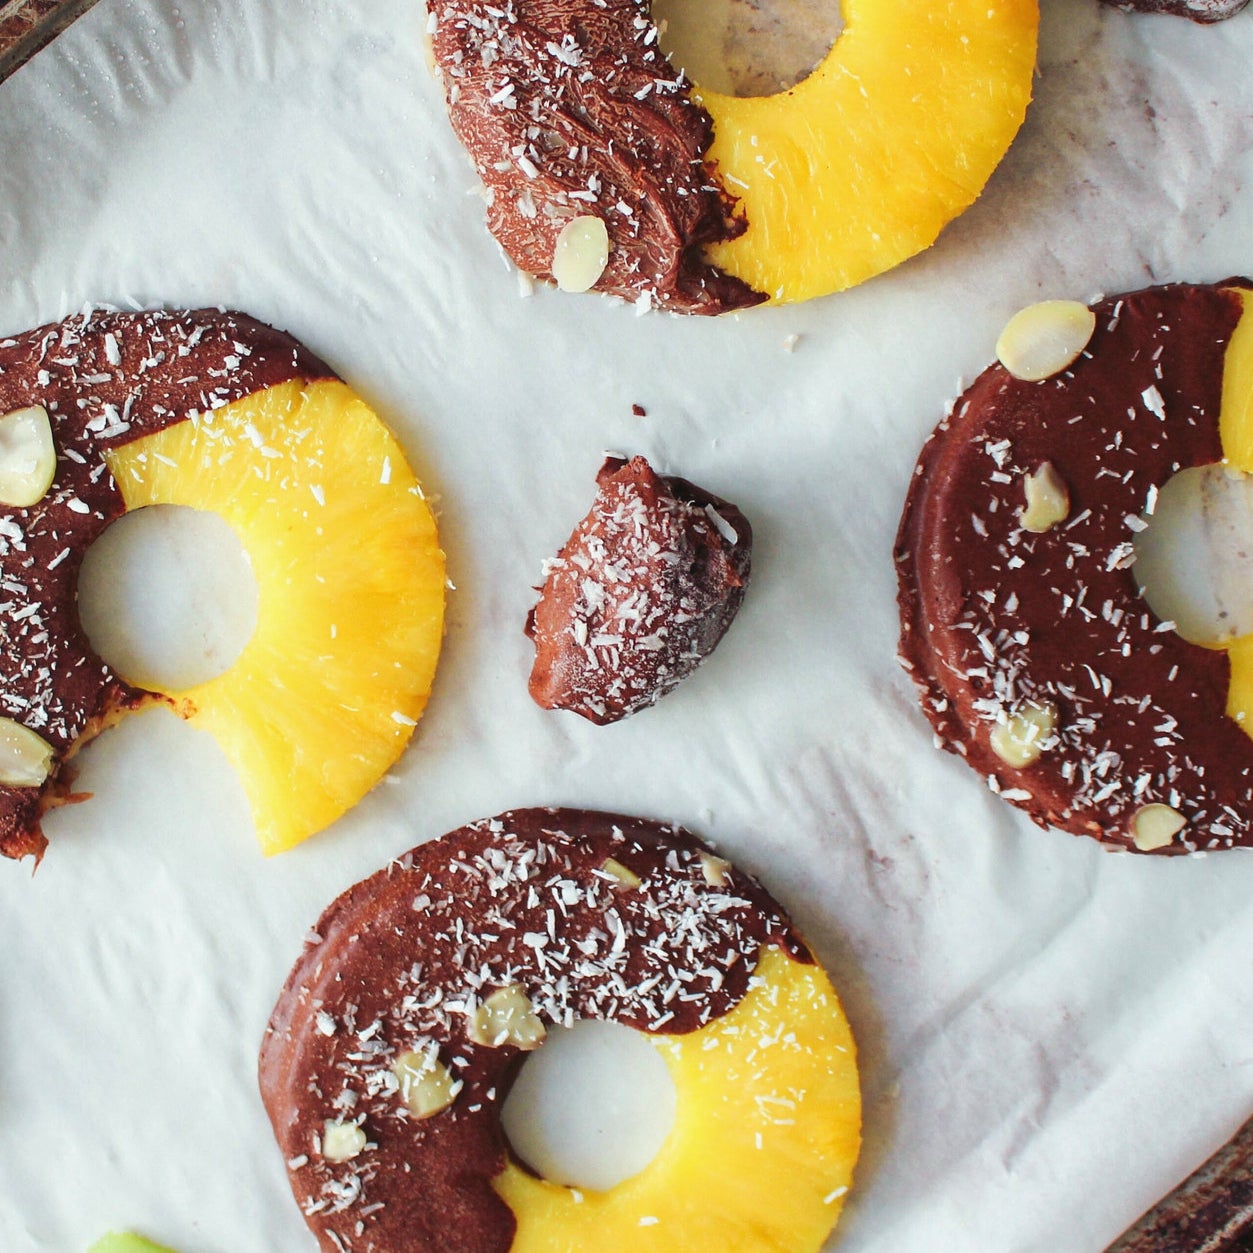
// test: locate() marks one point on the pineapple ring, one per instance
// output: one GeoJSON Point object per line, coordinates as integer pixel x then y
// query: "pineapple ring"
{"type": "Point", "coordinates": [859, 166]}
{"type": "Point", "coordinates": [394, 1040]}
{"type": "Point", "coordinates": [1039, 660]}
{"type": "Point", "coordinates": [216, 411]}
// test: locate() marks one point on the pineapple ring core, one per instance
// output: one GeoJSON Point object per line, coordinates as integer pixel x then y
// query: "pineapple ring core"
{"type": "Point", "coordinates": [167, 597]}
{"type": "Point", "coordinates": [859, 166]}
{"type": "Point", "coordinates": [766, 1133]}
{"type": "Point", "coordinates": [1235, 428]}
{"type": "Point", "coordinates": [350, 593]}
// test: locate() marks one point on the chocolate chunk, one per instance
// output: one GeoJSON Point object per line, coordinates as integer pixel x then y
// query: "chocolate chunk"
{"type": "Point", "coordinates": [522, 900]}
{"type": "Point", "coordinates": [641, 593]}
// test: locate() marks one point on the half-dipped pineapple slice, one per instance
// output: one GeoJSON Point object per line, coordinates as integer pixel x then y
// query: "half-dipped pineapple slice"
{"type": "Point", "coordinates": [350, 582]}
{"type": "Point", "coordinates": [895, 133]}
{"type": "Point", "coordinates": [767, 1131]}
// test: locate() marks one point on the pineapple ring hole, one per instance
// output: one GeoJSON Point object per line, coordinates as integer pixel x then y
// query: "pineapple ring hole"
{"type": "Point", "coordinates": [167, 597]}
{"type": "Point", "coordinates": [591, 1107]}
{"type": "Point", "coordinates": [1194, 555]}
{"type": "Point", "coordinates": [748, 47]}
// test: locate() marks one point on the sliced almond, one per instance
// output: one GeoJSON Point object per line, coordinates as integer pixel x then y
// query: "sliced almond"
{"type": "Point", "coordinates": [1020, 739]}
{"type": "Point", "coordinates": [716, 870]}
{"type": "Point", "coordinates": [624, 874]}
{"type": "Point", "coordinates": [25, 758]}
{"type": "Point", "coordinates": [342, 1141]}
{"type": "Point", "coordinates": [581, 253]}
{"type": "Point", "coordinates": [28, 457]}
{"type": "Point", "coordinates": [426, 1084]}
{"type": "Point", "coordinates": [507, 1017]}
{"type": "Point", "coordinates": [1043, 339]}
{"type": "Point", "coordinates": [1048, 500]}
{"type": "Point", "coordinates": [1155, 826]}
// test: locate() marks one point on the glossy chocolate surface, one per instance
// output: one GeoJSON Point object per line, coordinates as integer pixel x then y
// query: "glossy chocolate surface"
{"type": "Point", "coordinates": [994, 616]}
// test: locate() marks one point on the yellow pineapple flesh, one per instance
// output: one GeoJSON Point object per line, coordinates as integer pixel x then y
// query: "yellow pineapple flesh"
{"type": "Point", "coordinates": [350, 583]}
{"type": "Point", "coordinates": [767, 1131]}
{"type": "Point", "coordinates": [1235, 423]}
{"type": "Point", "coordinates": [859, 166]}
{"type": "Point", "coordinates": [1236, 429]}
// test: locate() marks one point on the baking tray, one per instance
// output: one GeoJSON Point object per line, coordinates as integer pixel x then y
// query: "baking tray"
{"type": "Point", "coordinates": [27, 25]}
{"type": "Point", "coordinates": [1211, 1212]}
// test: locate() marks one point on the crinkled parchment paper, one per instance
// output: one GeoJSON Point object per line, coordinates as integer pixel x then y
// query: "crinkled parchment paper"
{"type": "Point", "coordinates": [1051, 1036]}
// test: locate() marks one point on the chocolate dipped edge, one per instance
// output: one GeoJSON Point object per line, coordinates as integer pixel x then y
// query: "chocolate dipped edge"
{"type": "Point", "coordinates": [434, 1176]}
{"type": "Point", "coordinates": [106, 379]}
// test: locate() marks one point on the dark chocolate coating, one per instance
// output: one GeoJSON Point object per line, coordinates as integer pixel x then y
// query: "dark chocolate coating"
{"type": "Point", "coordinates": [1205, 11]}
{"type": "Point", "coordinates": [569, 108]}
{"type": "Point", "coordinates": [397, 960]}
{"type": "Point", "coordinates": [992, 615]}
{"type": "Point", "coordinates": [640, 594]}
{"type": "Point", "coordinates": [106, 379]}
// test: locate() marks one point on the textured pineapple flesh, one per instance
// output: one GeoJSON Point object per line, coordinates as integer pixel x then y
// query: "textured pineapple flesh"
{"type": "Point", "coordinates": [350, 593]}
{"type": "Point", "coordinates": [859, 166]}
{"type": "Point", "coordinates": [767, 1130]}
{"type": "Point", "coordinates": [1236, 428]}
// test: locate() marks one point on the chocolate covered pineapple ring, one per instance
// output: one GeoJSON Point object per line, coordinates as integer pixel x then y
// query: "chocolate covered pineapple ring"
{"type": "Point", "coordinates": [1022, 622]}
{"type": "Point", "coordinates": [640, 594]}
{"type": "Point", "coordinates": [216, 411]}
{"type": "Point", "coordinates": [395, 1039]}
{"type": "Point", "coordinates": [605, 167]}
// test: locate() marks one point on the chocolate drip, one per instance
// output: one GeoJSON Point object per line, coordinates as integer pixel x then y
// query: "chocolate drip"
{"type": "Point", "coordinates": [640, 594]}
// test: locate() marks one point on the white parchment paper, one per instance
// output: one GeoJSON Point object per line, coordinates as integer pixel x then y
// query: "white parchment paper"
{"type": "Point", "coordinates": [1051, 1036]}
